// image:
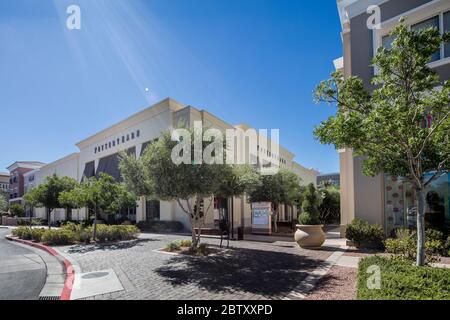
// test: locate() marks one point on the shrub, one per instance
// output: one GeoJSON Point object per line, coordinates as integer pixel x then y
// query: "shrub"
{"type": "Point", "coordinates": [57, 237]}
{"type": "Point", "coordinates": [202, 249]}
{"type": "Point", "coordinates": [24, 233]}
{"type": "Point", "coordinates": [172, 246]}
{"type": "Point", "coordinates": [401, 280]}
{"type": "Point", "coordinates": [115, 233]}
{"type": "Point", "coordinates": [22, 222]}
{"type": "Point", "coordinates": [71, 226]}
{"type": "Point", "coordinates": [433, 234]}
{"type": "Point", "coordinates": [36, 222]}
{"type": "Point", "coordinates": [364, 234]}
{"type": "Point", "coordinates": [185, 243]}
{"type": "Point", "coordinates": [405, 245]}
{"type": "Point", "coordinates": [447, 246]}
{"type": "Point", "coordinates": [36, 234]}
{"type": "Point", "coordinates": [310, 206]}
{"type": "Point", "coordinates": [161, 226]}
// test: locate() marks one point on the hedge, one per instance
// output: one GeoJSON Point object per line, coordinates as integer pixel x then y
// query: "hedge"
{"type": "Point", "coordinates": [71, 233]}
{"type": "Point", "coordinates": [401, 280]}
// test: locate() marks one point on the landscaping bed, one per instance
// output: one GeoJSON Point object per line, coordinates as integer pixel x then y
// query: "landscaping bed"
{"type": "Point", "coordinates": [401, 280]}
{"type": "Point", "coordinates": [76, 233]}
{"type": "Point", "coordinates": [184, 247]}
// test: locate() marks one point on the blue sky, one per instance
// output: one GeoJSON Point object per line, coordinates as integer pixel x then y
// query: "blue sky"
{"type": "Point", "coordinates": [247, 61]}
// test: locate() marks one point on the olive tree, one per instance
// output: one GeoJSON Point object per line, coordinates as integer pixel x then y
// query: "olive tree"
{"type": "Point", "coordinates": [401, 127]}
{"type": "Point", "coordinates": [47, 194]}
{"type": "Point", "coordinates": [99, 195]}
{"type": "Point", "coordinates": [157, 176]}
{"type": "Point", "coordinates": [281, 188]}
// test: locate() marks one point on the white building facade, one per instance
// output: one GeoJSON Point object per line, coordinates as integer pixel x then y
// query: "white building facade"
{"type": "Point", "coordinates": [99, 153]}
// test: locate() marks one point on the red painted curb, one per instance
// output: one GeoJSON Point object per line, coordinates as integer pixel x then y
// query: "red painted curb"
{"type": "Point", "coordinates": [70, 273]}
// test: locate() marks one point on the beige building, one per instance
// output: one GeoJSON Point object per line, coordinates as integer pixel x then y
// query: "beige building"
{"type": "Point", "coordinates": [385, 200]}
{"type": "Point", "coordinates": [99, 153]}
{"type": "Point", "coordinates": [4, 182]}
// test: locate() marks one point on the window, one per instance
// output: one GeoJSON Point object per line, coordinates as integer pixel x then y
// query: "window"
{"type": "Point", "coordinates": [132, 135]}
{"type": "Point", "coordinates": [430, 23]}
{"type": "Point", "coordinates": [138, 133]}
{"type": "Point", "coordinates": [118, 141]}
{"type": "Point", "coordinates": [387, 42]}
{"type": "Point", "coordinates": [95, 150]}
{"type": "Point", "coordinates": [128, 137]}
{"type": "Point", "coordinates": [114, 143]}
{"type": "Point", "coordinates": [123, 139]}
{"type": "Point", "coordinates": [447, 29]}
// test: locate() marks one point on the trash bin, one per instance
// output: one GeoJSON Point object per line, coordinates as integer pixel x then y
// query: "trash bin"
{"type": "Point", "coordinates": [240, 232]}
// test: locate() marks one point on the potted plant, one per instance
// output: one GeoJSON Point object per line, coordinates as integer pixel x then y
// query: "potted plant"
{"type": "Point", "coordinates": [309, 232]}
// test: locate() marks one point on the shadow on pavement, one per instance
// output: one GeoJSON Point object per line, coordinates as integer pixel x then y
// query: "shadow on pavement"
{"type": "Point", "coordinates": [267, 273]}
{"type": "Point", "coordinates": [108, 246]}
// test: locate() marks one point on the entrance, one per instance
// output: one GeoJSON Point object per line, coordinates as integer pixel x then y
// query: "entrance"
{"type": "Point", "coordinates": [152, 210]}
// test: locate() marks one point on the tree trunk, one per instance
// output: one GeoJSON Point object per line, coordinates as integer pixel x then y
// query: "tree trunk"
{"type": "Point", "coordinates": [275, 218]}
{"type": "Point", "coordinates": [94, 236]}
{"type": "Point", "coordinates": [49, 223]}
{"type": "Point", "coordinates": [194, 237]}
{"type": "Point", "coordinates": [420, 260]}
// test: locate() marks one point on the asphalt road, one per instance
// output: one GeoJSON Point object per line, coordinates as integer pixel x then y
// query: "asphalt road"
{"type": "Point", "coordinates": [22, 272]}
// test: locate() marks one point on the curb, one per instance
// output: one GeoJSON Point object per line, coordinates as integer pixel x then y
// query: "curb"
{"type": "Point", "coordinates": [70, 273]}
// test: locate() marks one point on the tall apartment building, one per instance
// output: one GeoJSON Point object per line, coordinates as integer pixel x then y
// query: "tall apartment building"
{"type": "Point", "coordinates": [99, 153]}
{"type": "Point", "coordinates": [386, 200]}
{"type": "Point", "coordinates": [16, 179]}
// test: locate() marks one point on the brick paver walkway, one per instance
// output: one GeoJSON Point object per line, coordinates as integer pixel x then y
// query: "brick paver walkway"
{"type": "Point", "coordinates": [247, 270]}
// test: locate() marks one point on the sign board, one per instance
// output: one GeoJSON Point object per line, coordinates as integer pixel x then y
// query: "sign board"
{"type": "Point", "coordinates": [261, 217]}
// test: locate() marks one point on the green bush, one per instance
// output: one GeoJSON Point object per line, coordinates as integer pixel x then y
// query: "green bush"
{"type": "Point", "coordinates": [310, 207]}
{"type": "Point", "coordinates": [161, 226]}
{"type": "Point", "coordinates": [57, 237]}
{"type": "Point", "coordinates": [202, 249]}
{"type": "Point", "coordinates": [173, 246]}
{"type": "Point", "coordinates": [185, 243]}
{"type": "Point", "coordinates": [364, 234]}
{"type": "Point", "coordinates": [36, 234]}
{"type": "Point", "coordinates": [433, 234]}
{"type": "Point", "coordinates": [405, 245]}
{"type": "Point", "coordinates": [24, 233]}
{"type": "Point", "coordinates": [23, 222]}
{"type": "Point", "coordinates": [447, 247]}
{"type": "Point", "coordinates": [401, 280]}
{"type": "Point", "coordinates": [36, 222]}
{"type": "Point", "coordinates": [116, 232]}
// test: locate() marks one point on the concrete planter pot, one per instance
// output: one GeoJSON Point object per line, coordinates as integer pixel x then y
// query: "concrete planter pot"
{"type": "Point", "coordinates": [309, 236]}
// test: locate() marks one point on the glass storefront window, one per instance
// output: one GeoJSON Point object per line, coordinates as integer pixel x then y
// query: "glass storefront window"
{"type": "Point", "coordinates": [400, 203]}
{"type": "Point", "coordinates": [394, 203]}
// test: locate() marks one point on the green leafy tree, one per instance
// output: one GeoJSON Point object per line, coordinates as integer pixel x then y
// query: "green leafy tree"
{"type": "Point", "coordinates": [47, 194]}
{"type": "Point", "coordinates": [4, 205]}
{"type": "Point", "coordinates": [402, 127]}
{"type": "Point", "coordinates": [331, 202]}
{"type": "Point", "coordinates": [16, 210]}
{"type": "Point", "coordinates": [99, 195]}
{"type": "Point", "coordinates": [156, 176]}
{"type": "Point", "coordinates": [310, 206]}
{"type": "Point", "coordinates": [280, 188]}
